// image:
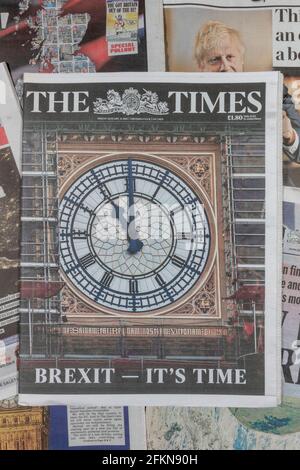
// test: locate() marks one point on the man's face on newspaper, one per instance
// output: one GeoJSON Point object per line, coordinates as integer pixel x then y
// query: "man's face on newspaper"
{"type": "Point", "coordinates": [226, 57]}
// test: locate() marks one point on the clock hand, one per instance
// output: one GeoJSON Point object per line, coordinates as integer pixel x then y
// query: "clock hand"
{"type": "Point", "coordinates": [135, 245]}
{"type": "Point", "coordinates": [118, 213]}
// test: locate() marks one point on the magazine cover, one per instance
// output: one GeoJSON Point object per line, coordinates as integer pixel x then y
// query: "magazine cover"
{"type": "Point", "coordinates": [242, 36]}
{"type": "Point", "coordinates": [10, 160]}
{"type": "Point", "coordinates": [81, 36]}
{"type": "Point", "coordinates": [149, 219]}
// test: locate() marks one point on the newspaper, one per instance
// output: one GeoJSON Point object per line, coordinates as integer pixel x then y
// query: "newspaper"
{"type": "Point", "coordinates": [50, 36]}
{"type": "Point", "coordinates": [151, 197]}
{"type": "Point", "coordinates": [290, 292]}
{"type": "Point", "coordinates": [71, 428]}
{"type": "Point", "coordinates": [96, 428]}
{"type": "Point", "coordinates": [122, 20]}
{"type": "Point", "coordinates": [10, 160]}
{"type": "Point", "coordinates": [224, 429]}
{"type": "Point", "coordinates": [242, 35]}
{"type": "Point", "coordinates": [10, 115]}
{"type": "Point", "coordinates": [10, 169]}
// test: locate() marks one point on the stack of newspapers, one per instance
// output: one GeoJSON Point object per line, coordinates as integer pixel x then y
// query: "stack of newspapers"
{"type": "Point", "coordinates": [149, 252]}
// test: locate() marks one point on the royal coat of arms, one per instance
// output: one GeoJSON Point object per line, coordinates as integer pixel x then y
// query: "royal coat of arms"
{"type": "Point", "coordinates": [131, 102]}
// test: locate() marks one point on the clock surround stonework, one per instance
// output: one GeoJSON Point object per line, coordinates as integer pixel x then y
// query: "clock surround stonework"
{"type": "Point", "coordinates": [197, 161]}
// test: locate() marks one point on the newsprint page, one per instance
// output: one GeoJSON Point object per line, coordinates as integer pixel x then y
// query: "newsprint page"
{"type": "Point", "coordinates": [242, 36]}
{"type": "Point", "coordinates": [71, 428]}
{"type": "Point", "coordinates": [290, 292]}
{"type": "Point", "coordinates": [251, 36]}
{"type": "Point", "coordinates": [10, 162]}
{"type": "Point", "coordinates": [63, 36]}
{"type": "Point", "coordinates": [148, 195]}
{"type": "Point", "coordinates": [96, 428]}
{"type": "Point", "coordinates": [47, 428]}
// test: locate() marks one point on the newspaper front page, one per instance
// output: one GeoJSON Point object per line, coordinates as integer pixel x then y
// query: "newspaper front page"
{"type": "Point", "coordinates": [96, 428]}
{"type": "Point", "coordinates": [13, 417]}
{"type": "Point", "coordinates": [242, 36]}
{"type": "Point", "coordinates": [63, 36]}
{"type": "Point", "coordinates": [10, 160]}
{"type": "Point", "coordinates": [290, 292]}
{"type": "Point", "coordinates": [71, 428]}
{"type": "Point", "coordinates": [158, 197]}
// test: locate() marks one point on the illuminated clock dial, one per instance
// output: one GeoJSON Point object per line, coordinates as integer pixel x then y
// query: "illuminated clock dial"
{"type": "Point", "coordinates": [134, 236]}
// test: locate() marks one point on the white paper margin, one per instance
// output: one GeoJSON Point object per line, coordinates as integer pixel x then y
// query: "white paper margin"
{"type": "Point", "coordinates": [154, 20]}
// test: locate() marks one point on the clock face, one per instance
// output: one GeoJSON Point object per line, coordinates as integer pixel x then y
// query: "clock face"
{"type": "Point", "coordinates": [134, 236]}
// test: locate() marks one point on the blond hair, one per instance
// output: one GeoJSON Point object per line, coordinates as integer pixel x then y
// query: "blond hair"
{"type": "Point", "coordinates": [210, 37]}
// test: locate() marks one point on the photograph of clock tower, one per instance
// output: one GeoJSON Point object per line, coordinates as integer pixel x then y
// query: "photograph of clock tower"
{"type": "Point", "coordinates": [215, 323]}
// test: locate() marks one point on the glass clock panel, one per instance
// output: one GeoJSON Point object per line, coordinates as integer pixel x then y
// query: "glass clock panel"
{"type": "Point", "coordinates": [134, 236]}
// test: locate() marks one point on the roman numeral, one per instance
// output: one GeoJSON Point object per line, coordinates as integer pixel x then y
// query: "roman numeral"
{"type": "Point", "coordinates": [106, 279]}
{"type": "Point", "coordinates": [133, 185]}
{"type": "Point", "coordinates": [102, 187]}
{"type": "Point", "coordinates": [86, 209]}
{"type": "Point", "coordinates": [177, 261]}
{"type": "Point", "coordinates": [133, 286]}
{"type": "Point", "coordinates": [104, 190]}
{"type": "Point", "coordinates": [87, 260]}
{"type": "Point", "coordinates": [160, 184]}
{"type": "Point", "coordinates": [160, 281]}
{"type": "Point", "coordinates": [79, 234]}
